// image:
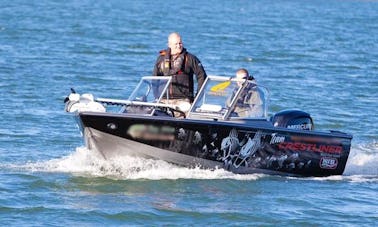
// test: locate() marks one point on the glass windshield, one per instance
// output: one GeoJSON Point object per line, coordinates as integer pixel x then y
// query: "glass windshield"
{"type": "Point", "coordinates": [222, 97]}
{"type": "Point", "coordinates": [214, 97]}
{"type": "Point", "coordinates": [150, 89]}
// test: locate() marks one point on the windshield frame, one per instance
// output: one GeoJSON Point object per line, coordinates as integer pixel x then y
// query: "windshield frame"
{"type": "Point", "coordinates": [219, 95]}
{"type": "Point", "coordinates": [157, 88]}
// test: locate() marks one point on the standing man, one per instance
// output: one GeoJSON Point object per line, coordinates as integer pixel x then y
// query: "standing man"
{"type": "Point", "coordinates": [175, 61]}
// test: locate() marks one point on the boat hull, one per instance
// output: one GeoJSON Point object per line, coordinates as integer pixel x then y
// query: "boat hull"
{"type": "Point", "coordinates": [240, 147]}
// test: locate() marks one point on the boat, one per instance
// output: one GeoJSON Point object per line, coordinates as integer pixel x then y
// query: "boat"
{"type": "Point", "coordinates": [209, 133]}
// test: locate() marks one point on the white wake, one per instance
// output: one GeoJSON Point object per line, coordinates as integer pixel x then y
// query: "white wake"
{"type": "Point", "coordinates": [363, 160]}
{"type": "Point", "coordinates": [87, 163]}
{"type": "Point", "coordinates": [362, 165]}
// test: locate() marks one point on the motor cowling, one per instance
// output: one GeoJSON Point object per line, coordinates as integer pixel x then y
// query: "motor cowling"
{"type": "Point", "coordinates": [293, 119]}
{"type": "Point", "coordinates": [80, 103]}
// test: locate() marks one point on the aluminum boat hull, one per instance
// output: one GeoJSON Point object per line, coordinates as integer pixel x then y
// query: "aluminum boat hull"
{"type": "Point", "coordinates": [244, 147]}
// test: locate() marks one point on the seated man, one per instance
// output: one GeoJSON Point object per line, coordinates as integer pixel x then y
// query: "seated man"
{"type": "Point", "coordinates": [249, 103]}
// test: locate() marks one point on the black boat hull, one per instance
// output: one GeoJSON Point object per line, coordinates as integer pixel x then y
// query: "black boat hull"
{"type": "Point", "coordinates": [241, 147]}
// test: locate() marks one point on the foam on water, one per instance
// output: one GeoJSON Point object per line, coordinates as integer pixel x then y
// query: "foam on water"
{"type": "Point", "coordinates": [88, 163]}
{"type": "Point", "coordinates": [362, 165]}
{"type": "Point", "coordinates": [363, 160]}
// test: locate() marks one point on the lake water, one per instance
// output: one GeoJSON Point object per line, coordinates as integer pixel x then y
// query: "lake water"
{"type": "Point", "coordinates": [320, 56]}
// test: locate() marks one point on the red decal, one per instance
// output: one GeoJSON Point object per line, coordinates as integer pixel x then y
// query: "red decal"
{"type": "Point", "coordinates": [297, 146]}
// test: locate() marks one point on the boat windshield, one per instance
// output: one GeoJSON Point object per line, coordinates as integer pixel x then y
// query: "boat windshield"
{"type": "Point", "coordinates": [219, 98]}
{"type": "Point", "coordinates": [223, 98]}
{"type": "Point", "coordinates": [151, 89]}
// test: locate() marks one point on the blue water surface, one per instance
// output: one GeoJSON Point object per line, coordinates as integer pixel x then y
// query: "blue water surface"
{"type": "Point", "coordinates": [320, 56]}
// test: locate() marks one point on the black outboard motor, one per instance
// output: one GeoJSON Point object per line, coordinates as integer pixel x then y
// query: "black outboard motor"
{"type": "Point", "coordinates": [293, 119]}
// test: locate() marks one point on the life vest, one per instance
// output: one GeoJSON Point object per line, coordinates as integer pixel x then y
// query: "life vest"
{"type": "Point", "coordinates": [170, 67]}
{"type": "Point", "coordinates": [179, 69]}
{"type": "Point", "coordinates": [245, 99]}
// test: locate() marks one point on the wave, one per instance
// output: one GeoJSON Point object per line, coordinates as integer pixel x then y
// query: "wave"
{"type": "Point", "coordinates": [88, 163]}
{"type": "Point", "coordinates": [362, 165]}
{"type": "Point", "coordinates": [363, 160]}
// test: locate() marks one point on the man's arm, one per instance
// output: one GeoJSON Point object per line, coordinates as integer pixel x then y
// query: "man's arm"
{"type": "Point", "coordinates": [199, 71]}
{"type": "Point", "coordinates": [157, 71]}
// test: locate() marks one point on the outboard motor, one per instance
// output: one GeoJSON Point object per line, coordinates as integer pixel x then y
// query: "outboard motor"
{"type": "Point", "coordinates": [293, 119]}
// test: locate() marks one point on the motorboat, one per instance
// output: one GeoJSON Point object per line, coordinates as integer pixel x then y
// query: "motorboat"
{"type": "Point", "coordinates": [218, 130]}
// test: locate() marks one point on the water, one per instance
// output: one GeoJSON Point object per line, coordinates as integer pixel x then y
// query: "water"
{"type": "Point", "coordinates": [318, 56]}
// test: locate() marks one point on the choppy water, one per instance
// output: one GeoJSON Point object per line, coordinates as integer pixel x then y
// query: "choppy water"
{"type": "Point", "coordinates": [319, 56]}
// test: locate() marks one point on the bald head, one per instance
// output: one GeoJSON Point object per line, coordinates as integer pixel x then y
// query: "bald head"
{"type": "Point", "coordinates": [242, 74]}
{"type": "Point", "coordinates": [175, 43]}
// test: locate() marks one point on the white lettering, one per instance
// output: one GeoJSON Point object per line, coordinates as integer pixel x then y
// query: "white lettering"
{"type": "Point", "coordinates": [277, 139]}
{"type": "Point", "coordinates": [301, 126]}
